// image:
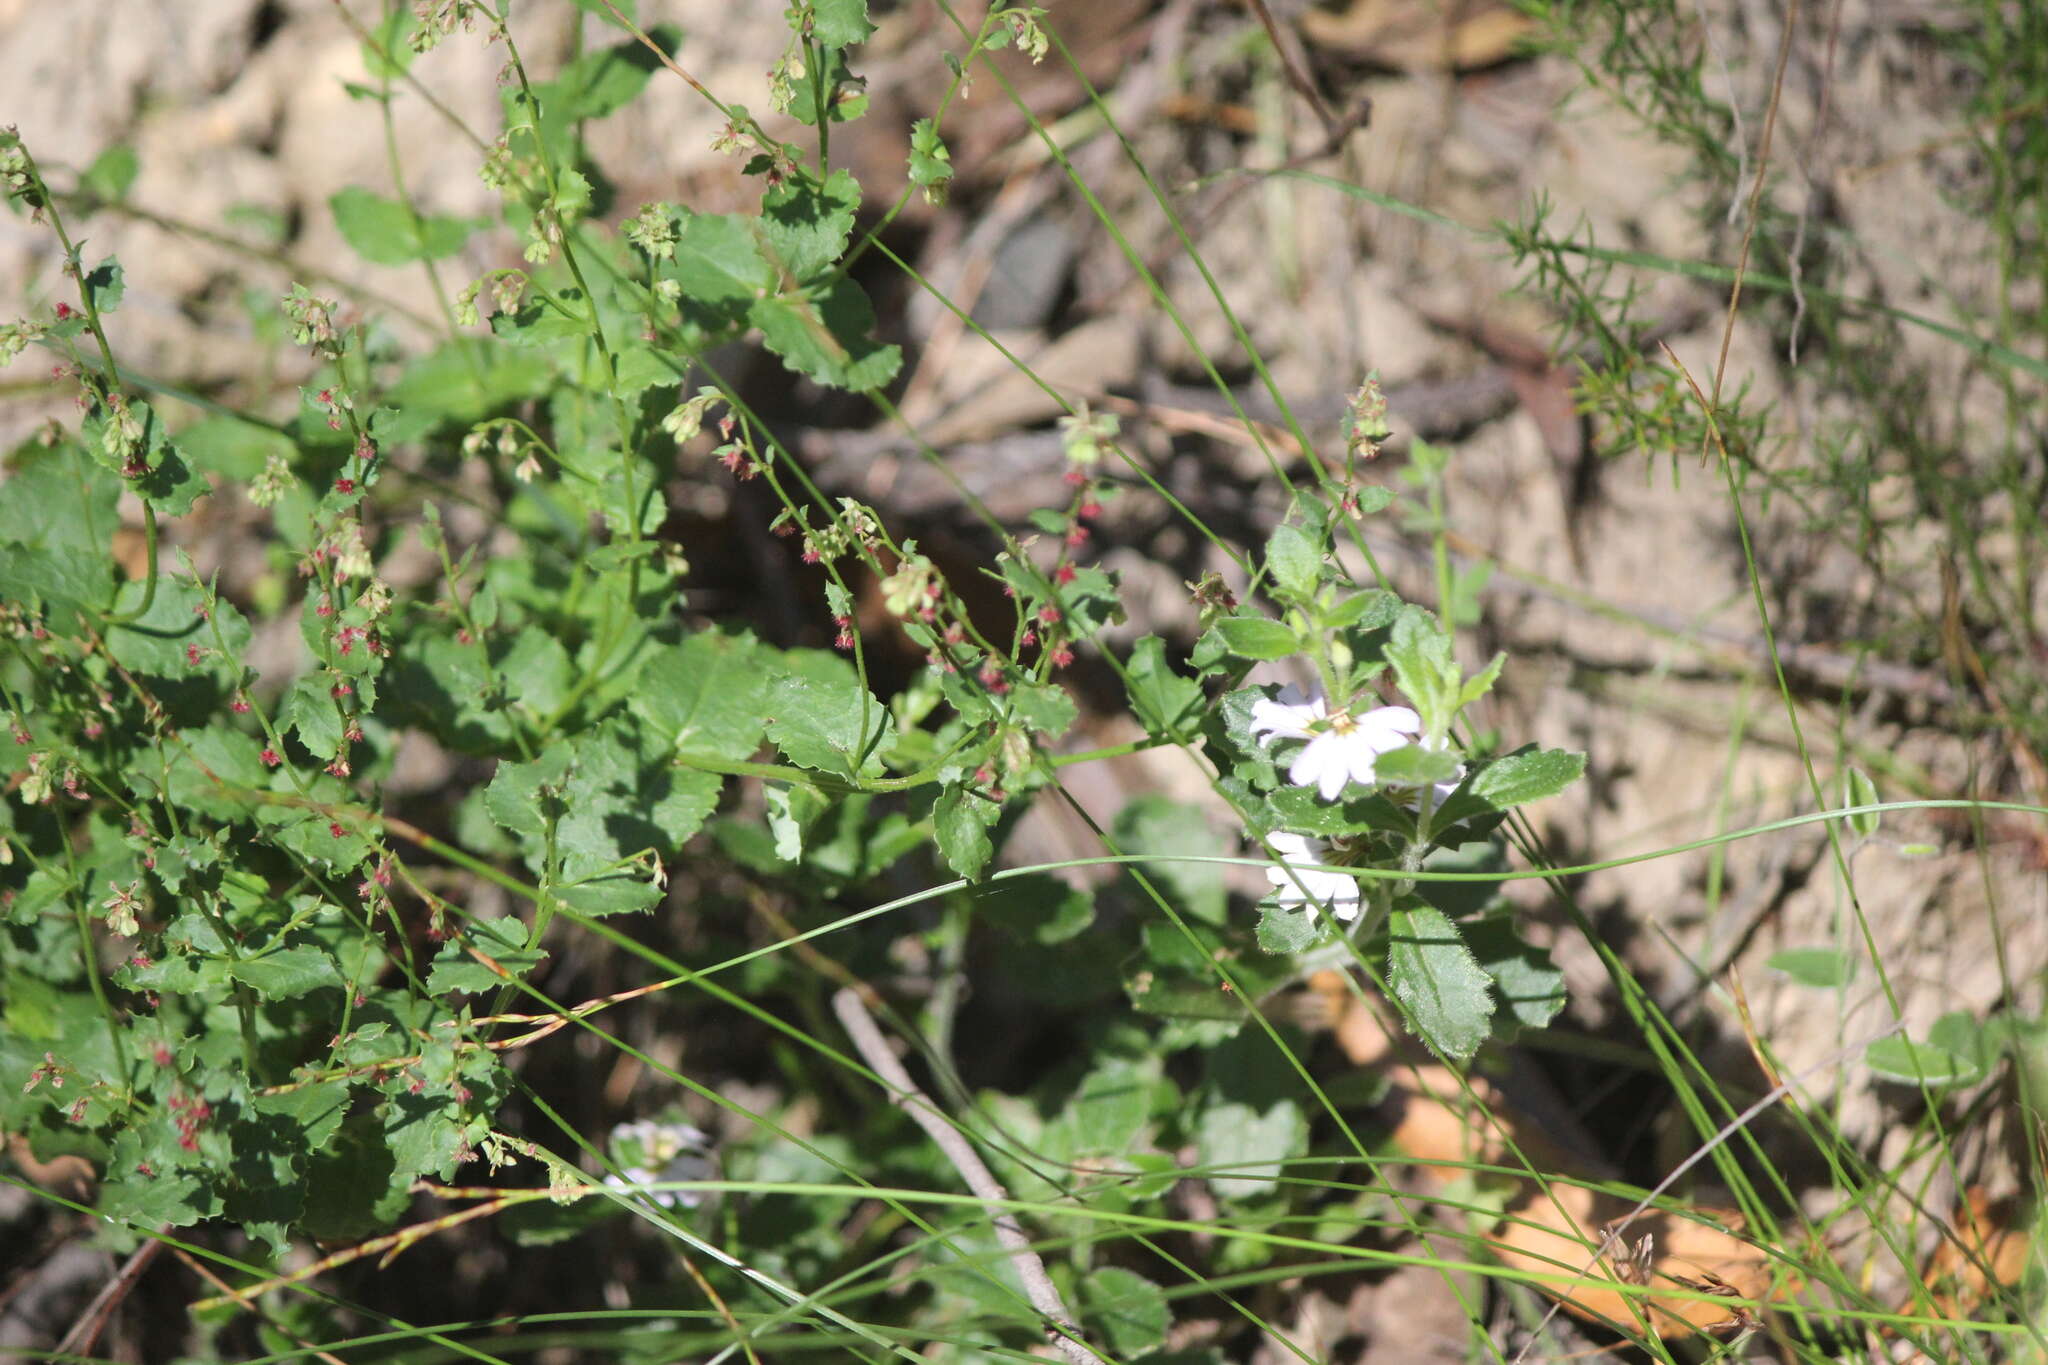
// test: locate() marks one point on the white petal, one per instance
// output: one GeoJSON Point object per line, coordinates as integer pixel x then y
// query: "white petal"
{"type": "Point", "coordinates": [1388, 727]}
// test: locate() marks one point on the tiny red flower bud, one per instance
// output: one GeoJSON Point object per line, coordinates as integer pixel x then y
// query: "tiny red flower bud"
{"type": "Point", "coordinates": [1029, 638]}
{"type": "Point", "coordinates": [1076, 478]}
{"type": "Point", "coordinates": [1062, 656]}
{"type": "Point", "coordinates": [810, 554]}
{"type": "Point", "coordinates": [65, 311]}
{"type": "Point", "coordinates": [1077, 534]}
{"type": "Point", "coordinates": [1089, 510]}
{"type": "Point", "coordinates": [843, 640]}
{"type": "Point", "coordinates": [334, 828]}
{"type": "Point", "coordinates": [270, 758]}
{"type": "Point", "coordinates": [193, 654]}
{"type": "Point", "coordinates": [1048, 614]}
{"type": "Point", "coordinates": [338, 768]}
{"type": "Point", "coordinates": [344, 485]}
{"type": "Point", "coordinates": [240, 706]}
{"type": "Point", "coordinates": [1063, 574]}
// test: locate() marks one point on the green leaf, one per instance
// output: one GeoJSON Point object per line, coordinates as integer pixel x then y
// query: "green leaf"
{"type": "Point", "coordinates": [105, 285]}
{"type": "Point", "coordinates": [1167, 705]}
{"type": "Point", "coordinates": [960, 823]}
{"type": "Point", "coordinates": [1252, 1144]}
{"type": "Point", "coordinates": [622, 798]}
{"type": "Point", "coordinates": [1825, 968]}
{"type": "Point", "coordinates": [1255, 637]}
{"type": "Point", "coordinates": [718, 262]}
{"type": "Point", "coordinates": [1445, 996]}
{"type": "Point", "coordinates": [503, 941]}
{"type": "Point", "coordinates": [603, 82]}
{"type": "Point", "coordinates": [1529, 775]}
{"type": "Point", "coordinates": [111, 173]}
{"type": "Point", "coordinates": [1411, 765]}
{"type": "Point", "coordinates": [521, 796]}
{"type": "Point", "coordinates": [1107, 1113]}
{"type": "Point", "coordinates": [603, 9]}
{"type": "Point", "coordinates": [822, 718]}
{"type": "Point", "coordinates": [57, 499]}
{"type": "Point", "coordinates": [1292, 929]}
{"type": "Point", "coordinates": [160, 641]}
{"type": "Point", "coordinates": [1036, 907]}
{"type": "Point", "coordinates": [1159, 825]}
{"type": "Point", "coordinates": [1859, 790]}
{"type": "Point", "coordinates": [287, 973]}
{"type": "Point", "coordinates": [385, 231]}
{"type": "Point", "coordinates": [1529, 984]}
{"type": "Point", "coordinates": [931, 165]}
{"type": "Point", "coordinates": [61, 580]}
{"type": "Point", "coordinates": [389, 54]}
{"type": "Point", "coordinates": [1420, 652]}
{"type": "Point", "coordinates": [1370, 610]}
{"type": "Point", "coordinates": [827, 334]}
{"type": "Point", "coordinates": [1292, 560]}
{"type": "Point", "coordinates": [806, 227]}
{"type": "Point", "coordinates": [230, 447]}
{"type": "Point", "coordinates": [1910, 1063]}
{"type": "Point", "coordinates": [705, 696]}
{"type": "Point", "coordinates": [1127, 1309]}
{"type": "Point", "coordinates": [310, 709]}
{"type": "Point", "coordinates": [841, 23]}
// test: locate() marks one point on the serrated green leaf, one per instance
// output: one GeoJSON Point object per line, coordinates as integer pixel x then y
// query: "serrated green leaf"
{"type": "Point", "coordinates": [1292, 560]}
{"type": "Point", "coordinates": [457, 967]}
{"type": "Point", "coordinates": [1445, 996]}
{"type": "Point", "coordinates": [520, 796]}
{"type": "Point", "coordinates": [309, 708]}
{"type": "Point", "coordinates": [57, 499]}
{"type": "Point", "coordinates": [827, 334]}
{"type": "Point", "coordinates": [705, 696]}
{"type": "Point", "coordinates": [822, 718]}
{"type": "Point", "coordinates": [386, 232]}
{"type": "Point", "coordinates": [960, 821]}
{"type": "Point", "coordinates": [717, 261]}
{"type": "Point", "coordinates": [841, 23]}
{"type": "Point", "coordinates": [161, 640]}
{"type": "Point", "coordinates": [69, 583]}
{"type": "Point", "coordinates": [806, 227]}
{"type": "Point", "coordinates": [1127, 1309]}
{"type": "Point", "coordinates": [1256, 637]}
{"type": "Point", "coordinates": [287, 973]}
{"type": "Point", "coordinates": [1166, 704]}
{"type": "Point", "coordinates": [1252, 1145]}
{"type": "Point", "coordinates": [1529, 984]}
{"type": "Point", "coordinates": [1290, 929]}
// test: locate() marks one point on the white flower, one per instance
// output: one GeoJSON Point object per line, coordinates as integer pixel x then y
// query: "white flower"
{"type": "Point", "coordinates": [1341, 748]}
{"type": "Point", "coordinates": [667, 1152]}
{"type": "Point", "coordinates": [1296, 882]}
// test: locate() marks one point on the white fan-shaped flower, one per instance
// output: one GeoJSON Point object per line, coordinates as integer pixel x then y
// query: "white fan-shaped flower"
{"type": "Point", "coordinates": [1340, 748]}
{"type": "Point", "coordinates": [1297, 882]}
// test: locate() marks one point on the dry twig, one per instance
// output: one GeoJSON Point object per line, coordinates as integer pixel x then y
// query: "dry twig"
{"type": "Point", "coordinates": [1038, 1286]}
